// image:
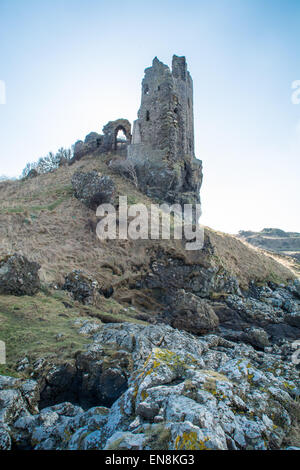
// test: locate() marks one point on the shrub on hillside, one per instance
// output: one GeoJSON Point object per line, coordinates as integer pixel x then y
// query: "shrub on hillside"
{"type": "Point", "coordinates": [49, 163]}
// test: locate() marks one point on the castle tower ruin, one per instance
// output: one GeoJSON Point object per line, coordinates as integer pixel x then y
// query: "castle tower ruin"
{"type": "Point", "coordinates": [162, 147]}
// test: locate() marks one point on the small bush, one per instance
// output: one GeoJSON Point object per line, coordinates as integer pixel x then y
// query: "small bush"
{"type": "Point", "coordinates": [49, 163]}
{"type": "Point", "coordinates": [126, 169]}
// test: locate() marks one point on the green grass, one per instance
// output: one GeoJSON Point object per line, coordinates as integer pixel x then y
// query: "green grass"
{"type": "Point", "coordinates": [30, 325]}
{"type": "Point", "coordinates": [48, 207]}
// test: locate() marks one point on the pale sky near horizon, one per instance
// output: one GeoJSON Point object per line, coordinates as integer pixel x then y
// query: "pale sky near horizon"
{"type": "Point", "coordinates": [70, 66]}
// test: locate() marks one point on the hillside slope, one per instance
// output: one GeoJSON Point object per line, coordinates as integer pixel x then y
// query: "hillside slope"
{"type": "Point", "coordinates": [275, 240]}
{"type": "Point", "coordinates": [41, 218]}
{"type": "Point", "coordinates": [171, 347]}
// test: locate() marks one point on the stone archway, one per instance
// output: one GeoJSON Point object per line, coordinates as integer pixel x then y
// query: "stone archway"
{"type": "Point", "coordinates": [117, 140]}
{"type": "Point", "coordinates": [111, 132]}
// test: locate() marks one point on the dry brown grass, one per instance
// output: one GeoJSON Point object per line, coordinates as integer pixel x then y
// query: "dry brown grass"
{"type": "Point", "coordinates": [41, 219]}
{"type": "Point", "coordinates": [247, 262]}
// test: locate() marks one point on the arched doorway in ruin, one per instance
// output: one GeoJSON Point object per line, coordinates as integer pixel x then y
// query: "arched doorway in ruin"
{"type": "Point", "coordinates": [117, 134]}
{"type": "Point", "coordinates": [121, 138]}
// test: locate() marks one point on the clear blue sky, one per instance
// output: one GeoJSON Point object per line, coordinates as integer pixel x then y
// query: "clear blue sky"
{"type": "Point", "coordinates": [72, 65]}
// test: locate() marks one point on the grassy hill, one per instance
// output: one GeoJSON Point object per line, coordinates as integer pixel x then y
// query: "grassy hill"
{"type": "Point", "coordinates": [276, 241]}
{"type": "Point", "coordinates": [41, 219]}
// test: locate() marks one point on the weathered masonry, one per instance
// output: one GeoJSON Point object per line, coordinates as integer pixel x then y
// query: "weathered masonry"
{"type": "Point", "coordinates": [162, 146]}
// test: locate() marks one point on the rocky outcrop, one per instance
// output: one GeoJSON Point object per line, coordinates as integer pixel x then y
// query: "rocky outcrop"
{"type": "Point", "coordinates": [169, 274]}
{"type": "Point", "coordinates": [98, 377]}
{"type": "Point", "coordinates": [256, 316]}
{"type": "Point", "coordinates": [183, 393]}
{"type": "Point", "coordinates": [18, 275]}
{"type": "Point", "coordinates": [92, 188]}
{"type": "Point", "coordinates": [17, 399]}
{"type": "Point", "coordinates": [273, 308]}
{"type": "Point", "coordinates": [83, 287]}
{"type": "Point", "coordinates": [177, 183]}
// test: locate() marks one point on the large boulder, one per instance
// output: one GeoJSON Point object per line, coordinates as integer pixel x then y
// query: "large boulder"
{"type": "Point", "coordinates": [191, 313]}
{"type": "Point", "coordinates": [18, 275]}
{"type": "Point", "coordinates": [257, 337]}
{"type": "Point", "coordinates": [173, 183]}
{"type": "Point", "coordinates": [168, 273]}
{"type": "Point", "coordinates": [83, 287]}
{"type": "Point", "coordinates": [92, 188]}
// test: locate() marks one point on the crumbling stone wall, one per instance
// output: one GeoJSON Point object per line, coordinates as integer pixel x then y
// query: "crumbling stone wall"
{"type": "Point", "coordinates": [161, 149]}
{"type": "Point", "coordinates": [163, 134]}
{"type": "Point", "coordinates": [165, 118]}
{"type": "Point", "coordinates": [110, 131]}
{"type": "Point", "coordinates": [106, 142]}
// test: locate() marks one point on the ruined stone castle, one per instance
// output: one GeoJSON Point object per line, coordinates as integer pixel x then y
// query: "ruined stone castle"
{"type": "Point", "coordinates": [161, 145]}
{"type": "Point", "coordinates": [165, 125]}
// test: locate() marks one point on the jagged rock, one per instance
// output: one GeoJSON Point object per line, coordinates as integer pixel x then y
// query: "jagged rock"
{"type": "Point", "coordinates": [164, 366]}
{"type": "Point", "coordinates": [267, 308]}
{"type": "Point", "coordinates": [184, 393]}
{"type": "Point", "coordinates": [169, 274]}
{"type": "Point", "coordinates": [5, 439]}
{"type": "Point", "coordinates": [191, 313]}
{"type": "Point", "coordinates": [257, 337]}
{"type": "Point", "coordinates": [92, 188]}
{"type": "Point", "coordinates": [23, 364]}
{"type": "Point", "coordinates": [97, 378]}
{"type": "Point", "coordinates": [18, 275]}
{"type": "Point", "coordinates": [82, 286]}
{"type": "Point", "coordinates": [92, 142]}
{"type": "Point", "coordinates": [89, 328]}
{"type": "Point", "coordinates": [59, 384]}
{"type": "Point", "coordinates": [295, 287]}
{"type": "Point", "coordinates": [80, 150]}
{"type": "Point", "coordinates": [18, 400]}
{"type": "Point", "coordinates": [293, 319]}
